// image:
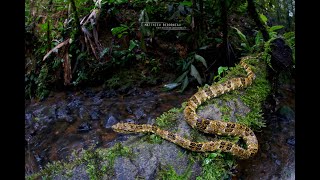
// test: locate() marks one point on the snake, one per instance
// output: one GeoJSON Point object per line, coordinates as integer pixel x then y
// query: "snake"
{"type": "Point", "coordinates": [209, 126]}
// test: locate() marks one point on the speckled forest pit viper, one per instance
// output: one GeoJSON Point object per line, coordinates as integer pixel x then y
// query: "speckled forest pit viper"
{"type": "Point", "coordinates": [206, 125]}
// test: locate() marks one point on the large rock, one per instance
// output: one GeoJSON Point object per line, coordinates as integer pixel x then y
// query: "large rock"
{"type": "Point", "coordinates": [149, 159]}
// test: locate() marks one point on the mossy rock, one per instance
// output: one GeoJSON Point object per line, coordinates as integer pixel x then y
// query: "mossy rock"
{"type": "Point", "coordinates": [146, 156]}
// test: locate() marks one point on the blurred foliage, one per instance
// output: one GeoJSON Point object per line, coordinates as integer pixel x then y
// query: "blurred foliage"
{"type": "Point", "coordinates": [113, 37]}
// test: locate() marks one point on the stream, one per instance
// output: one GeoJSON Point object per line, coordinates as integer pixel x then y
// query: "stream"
{"type": "Point", "coordinates": [71, 121]}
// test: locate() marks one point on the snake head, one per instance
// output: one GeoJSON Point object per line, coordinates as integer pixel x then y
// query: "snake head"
{"type": "Point", "coordinates": [123, 127]}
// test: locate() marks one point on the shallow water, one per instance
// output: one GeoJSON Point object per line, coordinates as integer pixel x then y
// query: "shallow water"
{"type": "Point", "coordinates": [67, 122]}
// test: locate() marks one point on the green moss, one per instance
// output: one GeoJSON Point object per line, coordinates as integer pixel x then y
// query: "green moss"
{"type": "Point", "coordinates": [110, 155]}
{"type": "Point", "coordinates": [216, 166]}
{"type": "Point", "coordinates": [98, 163]}
{"type": "Point", "coordinates": [254, 96]}
{"type": "Point", "coordinates": [153, 139]}
{"type": "Point", "coordinates": [167, 119]}
{"type": "Point", "coordinates": [226, 111]}
{"type": "Point", "coordinates": [181, 154]}
{"type": "Point", "coordinates": [169, 173]}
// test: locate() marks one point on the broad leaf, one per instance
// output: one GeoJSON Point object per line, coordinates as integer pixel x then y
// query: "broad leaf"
{"type": "Point", "coordinates": [194, 72]}
{"type": "Point", "coordinates": [180, 78]}
{"type": "Point", "coordinates": [221, 69]}
{"type": "Point", "coordinates": [241, 35]}
{"type": "Point", "coordinates": [201, 59]}
{"type": "Point", "coordinates": [102, 53]}
{"type": "Point", "coordinates": [186, 3]}
{"type": "Point", "coordinates": [263, 18]}
{"type": "Point", "coordinates": [185, 83]}
{"type": "Point", "coordinates": [258, 38]}
{"type": "Point", "coordinates": [204, 47]}
{"type": "Point", "coordinates": [274, 28]}
{"type": "Point", "coordinates": [245, 46]}
{"type": "Point", "coordinates": [186, 65]}
{"type": "Point", "coordinates": [132, 45]}
{"type": "Point", "coordinates": [218, 40]}
{"type": "Point", "coordinates": [188, 19]}
{"type": "Point", "coordinates": [120, 30]}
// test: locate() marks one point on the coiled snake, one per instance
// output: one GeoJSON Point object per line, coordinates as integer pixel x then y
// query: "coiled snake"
{"type": "Point", "coordinates": [206, 125]}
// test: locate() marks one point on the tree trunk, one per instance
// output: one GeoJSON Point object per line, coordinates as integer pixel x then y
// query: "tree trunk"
{"type": "Point", "coordinates": [286, 5]}
{"type": "Point", "coordinates": [256, 18]}
{"type": "Point", "coordinates": [48, 26]}
{"type": "Point", "coordinates": [224, 19]}
{"type": "Point", "coordinates": [76, 17]}
{"type": "Point", "coordinates": [202, 15]}
{"type": "Point", "coordinates": [193, 24]}
{"type": "Point", "coordinates": [293, 14]}
{"type": "Point", "coordinates": [278, 11]}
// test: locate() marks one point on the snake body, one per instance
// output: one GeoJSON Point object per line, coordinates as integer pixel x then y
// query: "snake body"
{"type": "Point", "coordinates": [206, 125]}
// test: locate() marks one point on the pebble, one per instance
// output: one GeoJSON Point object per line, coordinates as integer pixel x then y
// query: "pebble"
{"type": "Point", "coordinates": [291, 141]}
{"type": "Point", "coordinates": [84, 127]}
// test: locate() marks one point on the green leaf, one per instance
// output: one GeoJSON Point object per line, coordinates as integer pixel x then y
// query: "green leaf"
{"type": "Point", "coordinates": [263, 18]}
{"type": "Point", "coordinates": [272, 34]}
{"type": "Point", "coordinates": [186, 3]}
{"type": "Point", "coordinates": [245, 46]}
{"type": "Point", "coordinates": [180, 78]}
{"type": "Point", "coordinates": [185, 83]}
{"type": "Point", "coordinates": [201, 59]}
{"type": "Point", "coordinates": [241, 35]}
{"type": "Point", "coordinates": [274, 28]}
{"type": "Point", "coordinates": [221, 69]}
{"type": "Point", "coordinates": [120, 30]}
{"type": "Point", "coordinates": [132, 45]}
{"type": "Point", "coordinates": [213, 155]}
{"type": "Point", "coordinates": [121, 34]}
{"type": "Point", "coordinates": [206, 161]}
{"type": "Point", "coordinates": [104, 52]}
{"type": "Point", "coordinates": [204, 47]}
{"type": "Point", "coordinates": [186, 65]}
{"type": "Point", "coordinates": [218, 40]}
{"type": "Point", "coordinates": [194, 72]}
{"type": "Point", "coordinates": [258, 38]}
{"type": "Point", "coordinates": [209, 159]}
{"type": "Point", "coordinates": [143, 17]}
{"type": "Point", "coordinates": [188, 19]}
